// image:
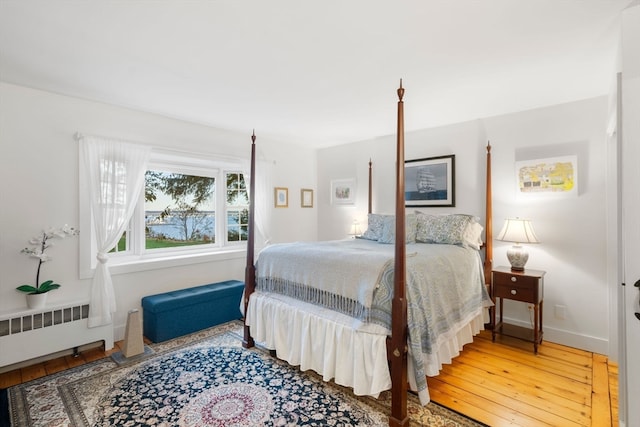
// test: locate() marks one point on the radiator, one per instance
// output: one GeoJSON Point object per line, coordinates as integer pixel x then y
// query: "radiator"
{"type": "Point", "coordinates": [29, 334]}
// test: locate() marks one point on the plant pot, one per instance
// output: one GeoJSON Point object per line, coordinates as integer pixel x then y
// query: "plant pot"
{"type": "Point", "coordinates": [36, 300]}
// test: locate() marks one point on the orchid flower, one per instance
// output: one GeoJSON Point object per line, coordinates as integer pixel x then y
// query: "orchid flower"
{"type": "Point", "coordinates": [39, 245]}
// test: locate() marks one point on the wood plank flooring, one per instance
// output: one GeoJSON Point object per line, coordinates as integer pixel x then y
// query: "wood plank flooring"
{"type": "Point", "coordinates": [499, 384]}
{"type": "Point", "coordinates": [506, 384]}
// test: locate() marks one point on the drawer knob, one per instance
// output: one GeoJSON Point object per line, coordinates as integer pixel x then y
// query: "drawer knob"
{"type": "Point", "coordinates": [513, 292]}
{"type": "Point", "coordinates": [514, 279]}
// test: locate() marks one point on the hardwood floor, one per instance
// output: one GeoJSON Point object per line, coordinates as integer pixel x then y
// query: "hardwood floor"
{"type": "Point", "coordinates": [499, 384]}
{"type": "Point", "coordinates": [31, 372]}
{"type": "Point", "coordinates": [505, 384]}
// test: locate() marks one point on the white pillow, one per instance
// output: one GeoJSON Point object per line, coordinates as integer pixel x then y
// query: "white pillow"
{"type": "Point", "coordinates": [472, 236]}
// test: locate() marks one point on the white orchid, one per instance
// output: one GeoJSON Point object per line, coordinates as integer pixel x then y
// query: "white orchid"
{"type": "Point", "coordinates": [39, 245]}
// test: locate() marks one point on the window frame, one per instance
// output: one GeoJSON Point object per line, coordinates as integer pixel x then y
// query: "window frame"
{"type": "Point", "coordinates": [136, 257]}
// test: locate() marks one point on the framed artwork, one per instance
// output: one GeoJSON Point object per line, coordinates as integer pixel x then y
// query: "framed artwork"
{"type": "Point", "coordinates": [306, 198]}
{"type": "Point", "coordinates": [557, 176]}
{"type": "Point", "coordinates": [343, 191]}
{"type": "Point", "coordinates": [281, 197]}
{"type": "Point", "coordinates": [430, 182]}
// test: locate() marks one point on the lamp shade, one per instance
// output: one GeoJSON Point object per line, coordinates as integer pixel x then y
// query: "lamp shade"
{"type": "Point", "coordinates": [355, 228]}
{"type": "Point", "coordinates": [518, 230]}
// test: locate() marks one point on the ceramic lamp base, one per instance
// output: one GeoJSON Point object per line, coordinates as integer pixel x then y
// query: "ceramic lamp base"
{"type": "Point", "coordinates": [518, 257]}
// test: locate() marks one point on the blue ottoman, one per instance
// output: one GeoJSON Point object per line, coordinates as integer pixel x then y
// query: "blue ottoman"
{"type": "Point", "coordinates": [172, 314]}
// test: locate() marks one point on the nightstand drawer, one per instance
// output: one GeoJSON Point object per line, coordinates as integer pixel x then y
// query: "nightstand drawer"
{"type": "Point", "coordinates": [516, 292]}
{"type": "Point", "coordinates": [507, 279]}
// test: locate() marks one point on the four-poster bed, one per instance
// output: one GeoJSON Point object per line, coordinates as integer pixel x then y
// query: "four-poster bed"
{"type": "Point", "coordinates": [370, 315]}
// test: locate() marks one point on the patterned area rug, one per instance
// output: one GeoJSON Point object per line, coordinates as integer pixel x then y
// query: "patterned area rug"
{"type": "Point", "coordinates": [204, 379]}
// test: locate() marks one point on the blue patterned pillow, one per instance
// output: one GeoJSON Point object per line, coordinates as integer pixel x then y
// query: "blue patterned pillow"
{"type": "Point", "coordinates": [389, 229]}
{"type": "Point", "coordinates": [374, 226]}
{"type": "Point", "coordinates": [422, 227]}
{"type": "Point", "coordinates": [444, 229]}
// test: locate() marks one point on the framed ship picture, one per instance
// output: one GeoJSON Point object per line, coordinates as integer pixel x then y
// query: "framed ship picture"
{"type": "Point", "coordinates": [430, 182]}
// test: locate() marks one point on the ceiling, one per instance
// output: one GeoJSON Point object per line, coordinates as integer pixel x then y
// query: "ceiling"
{"type": "Point", "coordinates": [317, 73]}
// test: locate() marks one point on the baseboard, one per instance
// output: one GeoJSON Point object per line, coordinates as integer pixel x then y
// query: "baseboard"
{"type": "Point", "coordinates": [118, 332]}
{"type": "Point", "coordinates": [51, 356]}
{"type": "Point", "coordinates": [569, 338]}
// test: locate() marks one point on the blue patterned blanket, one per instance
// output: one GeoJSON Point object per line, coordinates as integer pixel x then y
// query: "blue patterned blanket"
{"type": "Point", "coordinates": [444, 289]}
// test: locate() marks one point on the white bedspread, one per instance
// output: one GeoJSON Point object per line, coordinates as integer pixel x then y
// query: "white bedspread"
{"type": "Point", "coordinates": [339, 347]}
{"type": "Point", "coordinates": [334, 345]}
{"type": "Point", "coordinates": [446, 300]}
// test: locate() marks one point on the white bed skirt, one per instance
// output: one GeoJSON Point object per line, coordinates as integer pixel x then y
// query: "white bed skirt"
{"type": "Point", "coordinates": [339, 347]}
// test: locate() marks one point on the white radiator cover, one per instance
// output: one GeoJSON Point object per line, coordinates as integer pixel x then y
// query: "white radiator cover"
{"type": "Point", "coordinates": [28, 334]}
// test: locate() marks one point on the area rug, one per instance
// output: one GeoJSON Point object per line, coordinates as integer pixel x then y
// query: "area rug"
{"type": "Point", "coordinates": [204, 379]}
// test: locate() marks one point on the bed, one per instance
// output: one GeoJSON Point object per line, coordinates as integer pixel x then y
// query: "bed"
{"type": "Point", "coordinates": [377, 313]}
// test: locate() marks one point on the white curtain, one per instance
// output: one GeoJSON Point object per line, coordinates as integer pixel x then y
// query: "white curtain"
{"type": "Point", "coordinates": [115, 172]}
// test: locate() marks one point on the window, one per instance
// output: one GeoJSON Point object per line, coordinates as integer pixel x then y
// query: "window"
{"type": "Point", "coordinates": [237, 207]}
{"type": "Point", "coordinates": [179, 210]}
{"type": "Point", "coordinates": [183, 212]}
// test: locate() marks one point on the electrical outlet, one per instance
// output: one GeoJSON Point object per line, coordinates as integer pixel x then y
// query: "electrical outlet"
{"type": "Point", "coordinates": [561, 311]}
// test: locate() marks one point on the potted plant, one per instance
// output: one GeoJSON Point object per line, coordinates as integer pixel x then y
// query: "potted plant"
{"type": "Point", "coordinates": [37, 295]}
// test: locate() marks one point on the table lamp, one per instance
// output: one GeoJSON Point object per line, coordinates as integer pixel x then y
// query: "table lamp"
{"type": "Point", "coordinates": [519, 231]}
{"type": "Point", "coordinates": [355, 229]}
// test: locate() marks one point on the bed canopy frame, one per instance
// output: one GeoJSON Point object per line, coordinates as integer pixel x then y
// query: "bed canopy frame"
{"type": "Point", "coordinates": [396, 343]}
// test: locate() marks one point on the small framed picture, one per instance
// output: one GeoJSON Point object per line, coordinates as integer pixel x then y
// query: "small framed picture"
{"type": "Point", "coordinates": [430, 181]}
{"type": "Point", "coordinates": [306, 198]}
{"type": "Point", "coordinates": [343, 191]}
{"type": "Point", "coordinates": [281, 197]}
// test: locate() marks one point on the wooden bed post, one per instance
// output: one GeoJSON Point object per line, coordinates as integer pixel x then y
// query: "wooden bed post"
{"type": "Point", "coordinates": [397, 344]}
{"type": "Point", "coordinates": [370, 187]}
{"type": "Point", "coordinates": [250, 270]}
{"type": "Point", "coordinates": [488, 229]}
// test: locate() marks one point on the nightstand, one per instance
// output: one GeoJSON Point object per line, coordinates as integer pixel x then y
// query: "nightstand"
{"type": "Point", "coordinates": [525, 286]}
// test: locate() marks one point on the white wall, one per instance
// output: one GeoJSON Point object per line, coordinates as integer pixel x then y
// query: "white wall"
{"type": "Point", "coordinates": [572, 230]}
{"type": "Point", "coordinates": [39, 189]}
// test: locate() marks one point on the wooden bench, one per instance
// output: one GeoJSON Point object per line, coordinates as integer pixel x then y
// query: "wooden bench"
{"type": "Point", "coordinates": [172, 314]}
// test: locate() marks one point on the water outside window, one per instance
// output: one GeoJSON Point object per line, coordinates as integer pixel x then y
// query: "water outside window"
{"type": "Point", "coordinates": [179, 210]}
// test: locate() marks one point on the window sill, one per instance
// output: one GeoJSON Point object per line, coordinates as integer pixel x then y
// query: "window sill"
{"type": "Point", "coordinates": [125, 265]}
